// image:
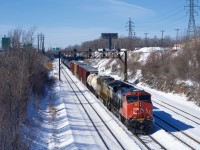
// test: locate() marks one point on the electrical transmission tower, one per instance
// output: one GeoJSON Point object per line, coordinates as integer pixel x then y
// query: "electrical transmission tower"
{"type": "Point", "coordinates": [191, 31]}
{"type": "Point", "coordinates": [130, 28]}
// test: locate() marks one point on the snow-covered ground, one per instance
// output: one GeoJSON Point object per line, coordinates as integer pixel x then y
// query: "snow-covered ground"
{"type": "Point", "coordinates": [175, 117]}
{"type": "Point", "coordinates": [61, 122]}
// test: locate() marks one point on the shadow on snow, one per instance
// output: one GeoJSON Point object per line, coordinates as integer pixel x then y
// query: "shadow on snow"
{"type": "Point", "coordinates": [170, 120]}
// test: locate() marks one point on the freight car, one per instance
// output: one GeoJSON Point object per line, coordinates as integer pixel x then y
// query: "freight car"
{"type": "Point", "coordinates": [80, 70]}
{"type": "Point", "coordinates": [75, 67]}
{"type": "Point", "coordinates": [84, 71]}
{"type": "Point", "coordinates": [131, 105]}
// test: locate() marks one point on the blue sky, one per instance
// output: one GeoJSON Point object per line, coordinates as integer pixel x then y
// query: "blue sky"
{"type": "Point", "coordinates": [69, 22]}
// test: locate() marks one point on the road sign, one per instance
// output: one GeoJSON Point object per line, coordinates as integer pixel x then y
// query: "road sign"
{"type": "Point", "coordinates": [5, 42]}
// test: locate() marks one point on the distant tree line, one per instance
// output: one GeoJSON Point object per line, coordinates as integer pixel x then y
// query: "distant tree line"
{"type": "Point", "coordinates": [125, 42]}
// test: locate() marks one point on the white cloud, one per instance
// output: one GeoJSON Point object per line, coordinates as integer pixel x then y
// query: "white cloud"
{"type": "Point", "coordinates": [124, 9]}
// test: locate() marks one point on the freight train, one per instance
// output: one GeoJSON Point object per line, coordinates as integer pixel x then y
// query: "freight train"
{"type": "Point", "coordinates": [131, 105]}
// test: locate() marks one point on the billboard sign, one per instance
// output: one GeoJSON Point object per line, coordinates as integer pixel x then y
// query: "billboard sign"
{"type": "Point", "coordinates": [109, 35]}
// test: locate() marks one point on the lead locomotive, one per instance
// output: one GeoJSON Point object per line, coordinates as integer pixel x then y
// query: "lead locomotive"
{"type": "Point", "coordinates": [132, 106]}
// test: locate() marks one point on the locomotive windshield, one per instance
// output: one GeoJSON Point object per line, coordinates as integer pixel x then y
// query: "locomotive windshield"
{"type": "Point", "coordinates": [146, 98]}
{"type": "Point", "coordinates": [131, 99]}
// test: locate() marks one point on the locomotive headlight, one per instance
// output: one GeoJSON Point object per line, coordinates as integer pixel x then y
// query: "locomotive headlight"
{"type": "Point", "coordinates": [140, 104]}
{"type": "Point", "coordinates": [142, 127]}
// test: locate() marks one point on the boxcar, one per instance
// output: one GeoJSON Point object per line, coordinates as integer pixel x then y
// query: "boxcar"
{"type": "Point", "coordinates": [84, 71]}
{"type": "Point", "coordinates": [75, 67]}
{"type": "Point", "coordinates": [72, 66]}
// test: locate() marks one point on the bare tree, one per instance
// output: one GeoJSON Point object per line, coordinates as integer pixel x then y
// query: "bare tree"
{"type": "Point", "coordinates": [20, 37]}
{"type": "Point", "coordinates": [21, 71]}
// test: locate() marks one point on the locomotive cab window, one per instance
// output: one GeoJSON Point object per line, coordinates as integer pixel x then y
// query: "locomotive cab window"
{"type": "Point", "coordinates": [146, 98]}
{"type": "Point", "coordinates": [131, 99]}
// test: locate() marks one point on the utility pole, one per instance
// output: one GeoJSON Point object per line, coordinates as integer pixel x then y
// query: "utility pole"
{"type": "Point", "coordinates": [38, 42]}
{"type": "Point", "coordinates": [59, 65]}
{"type": "Point", "coordinates": [43, 49]}
{"type": "Point", "coordinates": [162, 37]}
{"type": "Point", "coordinates": [198, 33]}
{"type": "Point", "coordinates": [155, 39]}
{"type": "Point", "coordinates": [146, 38]}
{"type": "Point", "coordinates": [176, 37]}
{"type": "Point", "coordinates": [41, 42]}
{"type": "Point", "coordinates": [134, 40]}
{"type": "Point", "coordinates": [125, 68]}
{"type": "Point", "coordinates": [191, 31]}
{"type": "Point", "coordinates": [130, 28]}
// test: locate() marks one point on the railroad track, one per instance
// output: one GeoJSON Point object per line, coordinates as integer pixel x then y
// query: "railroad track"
{"type": "Point", "coordinates": [147, 141]}
{"type": "Point", "coordinates": [150, 142]}
{"type": "Point", "coordinates": [78, 92]}
{"type": "Point", "coordinates": [177, 109]}
{"type": "Point", "coordinates": [180, 135]}
{"type": "Point", "coordinates": [183, 137]}
{"type": "Point", "coordinates": [180, 112]}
